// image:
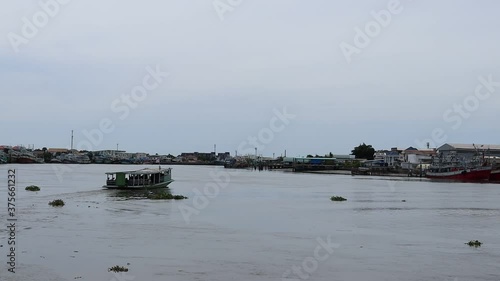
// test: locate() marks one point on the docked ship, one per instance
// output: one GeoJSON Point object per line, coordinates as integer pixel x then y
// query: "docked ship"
{"type": "Point", "coordinates": [473, 169]}
{"type": "Point", "coordinates": [72, 158]}
{"type": "Point", "coordinates": [495, 172]}
{"type": "Point", "coordinates": [23, 159]}
{"type": "Point", "coordinates": [494, 162]}
{"type": "Point", "coordinates": [495, 175]}
{"type": "Point", "coordinates": [21, 155]}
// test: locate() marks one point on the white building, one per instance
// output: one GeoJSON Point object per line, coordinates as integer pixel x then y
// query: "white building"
{"type": "Point", "coordinates": [412, 157]}
{"type": "Point", "coordinates": [390, 158]}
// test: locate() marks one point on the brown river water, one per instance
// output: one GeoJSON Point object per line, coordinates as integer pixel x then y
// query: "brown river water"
{"type": "Point", "coordinates": [249, 225]}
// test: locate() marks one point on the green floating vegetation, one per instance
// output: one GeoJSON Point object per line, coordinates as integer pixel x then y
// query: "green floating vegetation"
{"type": "Point", "coordinates": [118, 268]}
{"type": "Point", "coordinates": [473, 243]}
{"type": "Point", "coordinates": [32, 188]}
{"type": "Point", "coordinates": [152, 195]}
{"type": "Point", "coordinates": [56, 203]}
{"type": "Point", "coordinates": [338, 198]}
{"type": "Point", "coordinates": [165, 196]}
{"type": "Point", "coordinates": [130, 194]}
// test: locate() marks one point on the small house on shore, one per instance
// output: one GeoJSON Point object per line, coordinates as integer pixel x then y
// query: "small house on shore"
{"type": "Point", "coordinates": [413, 158]}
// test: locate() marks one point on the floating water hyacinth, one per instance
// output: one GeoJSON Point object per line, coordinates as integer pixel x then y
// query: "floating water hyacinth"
{"type": "Point", "coordinates": [338, 198]}
{"type": "Point", "coordinates": [57, 203]}
{"type": "Point", "coordinates": [32, 188]}
{"type": "Point", "coordinates": [473, 243]}
{"type": "Point", "coordinates": [165, 196]}
{"type": "Point", "coordinates": [118, 268]}
{"type": "Point", "coordinates": [152, 195]}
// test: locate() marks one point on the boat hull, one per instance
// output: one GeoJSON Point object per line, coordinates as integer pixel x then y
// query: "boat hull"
{"type": "Point", "coordinates": [158, 185]}
{"type": "Point", "coordinates": [25, 160]}
{"type": "Point", "coordinates": [469, 175]}
{"type": "Point", "coordinates": [146, 178]}
{"type": "Point", "coordinates": [495, 176]}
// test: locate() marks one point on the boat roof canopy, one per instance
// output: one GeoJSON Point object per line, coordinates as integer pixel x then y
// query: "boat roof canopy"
{"type": "Point", "coordinates": [141, 172]}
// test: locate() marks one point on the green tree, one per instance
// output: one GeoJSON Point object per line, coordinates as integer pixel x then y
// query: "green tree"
{"type": "Point", "coordinates": [363, 151]}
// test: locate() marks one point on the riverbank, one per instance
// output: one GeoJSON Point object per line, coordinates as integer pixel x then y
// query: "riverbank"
{"type": "Point", "coordinates": [344, 172]}
{"type": "Point", "coordinates": [281, 217]}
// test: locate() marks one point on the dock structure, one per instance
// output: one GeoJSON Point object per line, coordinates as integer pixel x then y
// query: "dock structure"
{"type": "Point", "coordinates": [269, 165]}
{"type": "Point", "coordinates": [276, 166]}
{"type": "Point", "coordinates": [315, 164]}
{"type": "Point", "coordinates": [300, 167]}
{"type": "Point", "coordinates": [386, 171]}
{"type": "Point", "coordinates": [380, 170]}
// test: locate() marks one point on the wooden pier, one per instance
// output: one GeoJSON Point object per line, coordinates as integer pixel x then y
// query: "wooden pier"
{"type": "Point", "coordinates": [300, 167]}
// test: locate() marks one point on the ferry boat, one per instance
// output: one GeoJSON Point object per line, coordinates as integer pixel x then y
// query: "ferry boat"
{"type": "Point", "coordinates": [145, 178]}
{"type": "Point", "coordinates": [453, 168]}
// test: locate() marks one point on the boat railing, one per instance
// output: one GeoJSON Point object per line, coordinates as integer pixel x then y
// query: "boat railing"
{"type": "Point", "coordinates": [138, 182]}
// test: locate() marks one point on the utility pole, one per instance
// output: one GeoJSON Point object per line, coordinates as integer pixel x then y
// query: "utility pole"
{"type": "Point", "coordinates": [71, 141]}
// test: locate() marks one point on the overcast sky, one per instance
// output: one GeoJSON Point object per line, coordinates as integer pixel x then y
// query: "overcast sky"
{"type": "Point", "coordinates": [230, 70]}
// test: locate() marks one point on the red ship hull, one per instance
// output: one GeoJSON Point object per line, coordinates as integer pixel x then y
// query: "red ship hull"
{"type": "Point", "coordinates": [495, 176]}
{"type": "Point", "coordinates": [469, 175]}
{"type": "Point", "coordinates": [25, 160]}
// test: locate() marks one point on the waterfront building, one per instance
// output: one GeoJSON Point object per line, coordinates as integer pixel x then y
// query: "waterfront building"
{"type": "Point", "coordinates": [388, 158]}
{"type": "Point", "coordinates": [469, 150]}
{"type": "Point", "coordinates": [57, 151]}
{"type": "Point", "coordinates": [197, 156]}
{"type": "Point", "coordinates": [412, 158]}
{"type": "Point", "coordinates": [223, 156]}
{"type": "Point", "coordinates": [110, 153]}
